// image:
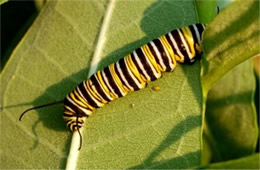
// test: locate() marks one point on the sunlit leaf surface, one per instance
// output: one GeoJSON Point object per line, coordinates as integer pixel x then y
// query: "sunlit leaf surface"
{"type": "Point", "coordinates": [151, 129]}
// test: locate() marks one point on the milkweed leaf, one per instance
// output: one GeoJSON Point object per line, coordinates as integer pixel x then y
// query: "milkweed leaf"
{"type": "Point", "coordinates": [145, 129]}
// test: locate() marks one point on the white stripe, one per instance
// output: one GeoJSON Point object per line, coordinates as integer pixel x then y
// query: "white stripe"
{"type": "Point", "coordinates": [122, 76]}
{"type": "Point", "coordinates": [158, 54]}
{"type": "Point", "coordinates": [78, 90]}
{"type": "Point", "coordinates": [98, 103]}
{"type": "Point", "coordinates": [167, 54]}
{"type": "Point", "coordinates": [175, 45]}
{"type": "Point", "coordinates": [108, 96]}
{"type": "Point", "coordinates": [141, 66]}
{"type": "Point", "coordinates": [185, 44]}
{"type": "Point", "coordinates": [139, 85]}
{"type": "Point", "coordinates": [203, 25]}
{"type": "Point", "coordinates": [71, 120]}
{"type": "Point", "coordinates": [107, 83]}
{"type": "Point", "coordinates": [87, 112]}
{"type": "Point", "coordinates": [197, 32]}
{"type": "Point", "coordinates": [95, 90]}
{"type": "Point", "coordinates": [121, 91]}
{"type": "Point", "coordinates": [70, 109]}
{"type": "Point", "coordinates": [157, 75]}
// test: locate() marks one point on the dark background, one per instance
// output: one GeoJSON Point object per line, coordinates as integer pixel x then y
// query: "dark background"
{"type": "Point", "coordinates": [16, 18]}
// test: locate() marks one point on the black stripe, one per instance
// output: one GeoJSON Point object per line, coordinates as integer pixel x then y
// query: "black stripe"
{"type": "Point", "coordinates": [90, 93]}
{"type": "Point", "coordinates": [145, 64]}
{"type": "Point", "coordinates": [126, 74]}
{"type": "Point", "coordinates": [154, 54]}
{"type": "Point", "coordinates": [136, 65]}
{"type": "Point", "coordinates": [77, 98]}
{"type": "Point", "coordinates": [87, 95]}
{"type": "Point", "coordinates": [99, 88]}
{"type": "Point", "coordinates": [67, 115]}
{"type": "Point", "coordinates": [171, 43]}
{"type": "Point", "coordinates": [74, 108]}
{"type": "Point", "coordinates": [186, 59]}
{"type": "Point", "coordinates": [76, 125]}
{"type": "Point", "coordinates": [194, 35]}
{"type": "Point", "coordinates": [112, 82]}
{"type": "Point", "coordinates": [180, 45]}
{"type": "Point", "coordinates": [200, 29]}
{"type": "Point", "coordinates": [78, 90]}
{"type": "Point", "coordinates": [165, 59]}
{"type": "Point", "coordinates": [73, 121]}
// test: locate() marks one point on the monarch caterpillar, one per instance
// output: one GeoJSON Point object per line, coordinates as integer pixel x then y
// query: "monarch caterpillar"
{"type": "Point", "coordinates": [130, 73]}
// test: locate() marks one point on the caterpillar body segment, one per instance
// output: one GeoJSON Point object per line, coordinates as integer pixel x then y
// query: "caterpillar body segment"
{"type": "Point", "coordinates": [132, 72]}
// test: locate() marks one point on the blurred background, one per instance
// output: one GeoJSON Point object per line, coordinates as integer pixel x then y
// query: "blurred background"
{"type": "Point", "coordinates": [16, 19]}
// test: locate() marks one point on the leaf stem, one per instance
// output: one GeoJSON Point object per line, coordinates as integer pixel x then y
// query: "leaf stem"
{"type": "Point", "coordinates": [73, 154]}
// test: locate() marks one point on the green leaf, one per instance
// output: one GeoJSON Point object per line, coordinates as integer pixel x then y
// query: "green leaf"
{"type": "Point", "coordinates": [249, 162]}
{"type": "Point", "coordinates": [230, 39]}
{"type": "Point", "coordinates": [152, 129]}
{"type": "Point", "coordinates": [49, 61]}
{"type": "Point", "coordinates": [206, 10]}
{"type": "Point", "coordinates": [231, 129]}
{"type": "Point", "coordinates": [3, 1]}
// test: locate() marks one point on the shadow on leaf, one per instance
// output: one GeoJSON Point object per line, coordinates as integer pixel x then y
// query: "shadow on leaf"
{"type": "Point", "coordinates": [51, 117]}
{"type": "Point", "coordinates": [174, 135]}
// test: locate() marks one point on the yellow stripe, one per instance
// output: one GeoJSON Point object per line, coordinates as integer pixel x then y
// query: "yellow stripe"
{"type": "Point", "coordinates": [80, 98]}
{"type": "Point", "coordinates": [158, 64]}
{"type": "Point", "coordinates": [151, 58]}
{"type": "Point", "coordinates": [69, 109]}
{"type": "Point", "coordinates": [75, 100]}
{"type": "Point", "coordinates": [168, 48]}
{"type": "Point", "coordinates": [80, 102]}
{"type": "Point", "coordinates": [134, 70]}
{"type": "Point", "coordinates": [73, 120]}
{"type": "Point", "coordinates": [104, 86]}
{"type": "Point", "coordinates": [94, 90]}
{"type": "Point", "coordinates": [188, 36]}
{"type": "Point", "coordinates": [68, 113]}
{"type": "Point", "coordinates": [101, 101]}
{"type": "Point", "coordinates": [117, 80]}
{"type": "Point", "coordinates": [198, 48]}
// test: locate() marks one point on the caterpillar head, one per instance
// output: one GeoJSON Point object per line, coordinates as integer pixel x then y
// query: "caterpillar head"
{"type": "Point", "coordinates": [73, 122]}
{"type": "Point", "coordinates": [73, 116]}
